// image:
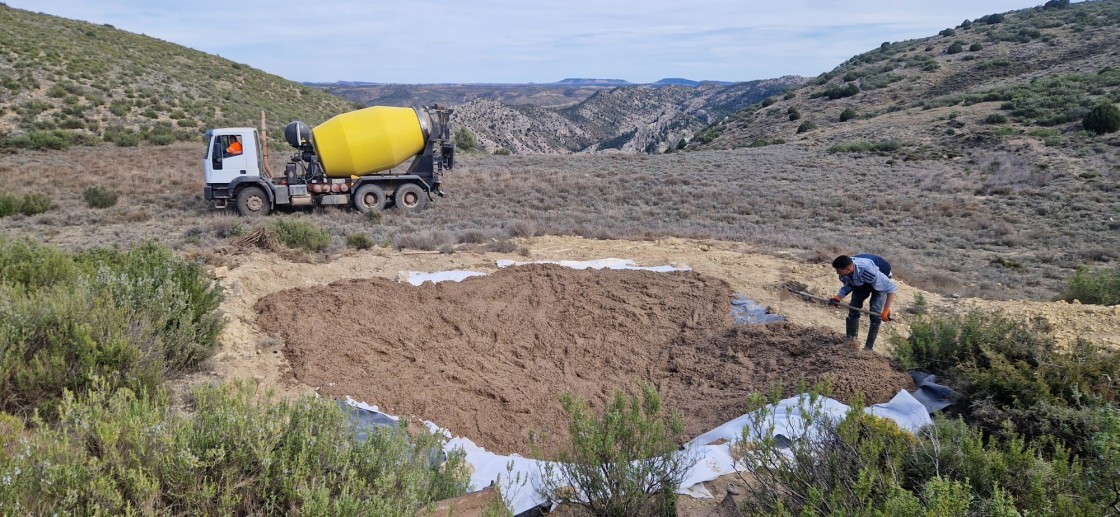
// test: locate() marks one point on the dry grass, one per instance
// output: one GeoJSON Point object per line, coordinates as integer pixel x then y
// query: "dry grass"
{"type": "Point", "coordinates": [963, 226]}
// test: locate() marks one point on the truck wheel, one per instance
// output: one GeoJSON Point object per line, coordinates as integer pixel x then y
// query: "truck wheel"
{"type": "Point", "coordinates": [410, 197]}
{"type": "Point", "coordinates": [252, 201]}
{"type": "Point", "coordinates": [369, 197]}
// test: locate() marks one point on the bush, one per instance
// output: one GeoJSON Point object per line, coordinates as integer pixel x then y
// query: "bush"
{"type": "Point", "coordinates": [834, 92]}
{"type": "Point", "coordinates": [39, 140]}
{"type": "Point", "coordinates": [806, 126]}
{"type": "Point", "coordinates": [847, 114]}
{"type": "Point", "coordinates": [865, 465]}
{"type": "Point", "coordinates": [1103, 118]}
{"type": "Point", "coordinates": [120, 452]}
{"type": "Point", "coordinates": [359, 241]}
{"type": "Point", "coordinates": [832, 467]}
{"type": "Point", "coordinates": [464, 140]}
{"type": "Point", "coordinates": [955, 48]}
{"type": "Point", "coordinates": [97, 197]}
{"type": "Point", "coordinates": [502, 151]}
{"type": "Point", "coordinates": [35, 203]}
{"type": "Point", "coordinates": [304, 235]}
{"type": "Point", "coordinates": [1012, 379]}
{"type": "Point", "coordinates": [793, 113]}
{"type": "Point", "coordinates": [124, 318]}
{"type": "Point", "coordinates": [995, 118]}
{"type": "Point", "coordinates": [866, 147]}
{"type": "Point", "coordinates": [624, 462]}
{"type": "Point", "coordinates": [1101, 287]}
{"type": "Point", "coordinates": [947, 32]}
{"type": "Point", "coordinates": [9, 204]}
{"type": "Point", "coordinates": [975, 47]}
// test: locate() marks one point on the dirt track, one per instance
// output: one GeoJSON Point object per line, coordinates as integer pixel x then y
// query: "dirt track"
{"type": "Point", "coordinates": [705, 391]}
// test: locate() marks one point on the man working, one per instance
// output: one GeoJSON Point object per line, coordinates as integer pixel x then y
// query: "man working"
{"type": "Point", "coordinates": [863, 276]}
{"type": "Point", "coordinates": [234, 148]}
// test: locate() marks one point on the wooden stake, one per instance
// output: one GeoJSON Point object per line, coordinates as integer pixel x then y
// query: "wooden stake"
{"type": "Point", "coordinates": [264, 146]}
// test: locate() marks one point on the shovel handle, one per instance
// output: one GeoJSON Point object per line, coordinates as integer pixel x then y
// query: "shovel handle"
{"type": "Point", "coordinates": [827, 300]}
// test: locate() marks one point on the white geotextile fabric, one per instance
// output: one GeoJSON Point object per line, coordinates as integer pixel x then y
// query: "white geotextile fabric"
{"type": "Point", "coordinates": [607, 263]}
{"type": "Point", "coordinates": [714, 460]}
{"type": "Point", "coordinates": [419, 277]}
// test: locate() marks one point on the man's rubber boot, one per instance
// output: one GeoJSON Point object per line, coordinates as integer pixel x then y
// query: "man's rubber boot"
{"type": "Point", "coordinates": [852, 333]}
{"type": "Point", "coordinates": [872, 333]}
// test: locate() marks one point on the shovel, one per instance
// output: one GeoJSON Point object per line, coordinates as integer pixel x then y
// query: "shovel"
{"type": "Point", "coordinates": [799, 290]}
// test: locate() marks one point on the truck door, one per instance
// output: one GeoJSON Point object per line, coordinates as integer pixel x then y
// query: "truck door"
{"type": "Point", "coordinates": [230, 156]}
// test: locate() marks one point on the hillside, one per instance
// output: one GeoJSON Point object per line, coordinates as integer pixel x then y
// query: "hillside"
{"type": "Point", "coordinates": [632, 119]}
{"type": "Point", "coordinates": [547, 95]}
{"type": "Point", "coordinates": [68, 82]}
{"type": "Point", "coordinates": [1005, 91]}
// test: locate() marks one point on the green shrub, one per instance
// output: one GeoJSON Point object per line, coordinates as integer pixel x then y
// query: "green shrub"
{"type": "Point", "coordinates": [50, 139]}
{"type": "Point", "coordinates": [847, 114]}
{"type": "Point", "coordinates": [464, 140]}
{"type": "Point", "coordinates": [97, 197]}
{"type": "Point", "coordinates": [1103, 118]}
{"type": "Point", "coordinates": [126, 318]}
{"type": "Point", "coordinates": [834, 92]}
{"type": "Point", "coordinates": [955, 48]}
{"type": "Point", "coordinates": [975, 47]}
{"type": "Point", "coordinates": [806, 126]}
{"type": "Point", "coordinates": [1011, 377]}
{"type": "Point", "coordinates": [359, 241]}
{"type": "Point", "coordinates": [502, 151]}
{"type": "Point", "coordinates": [769, 101]}
{"type": "Point", "coordinates": [708, 134]}
{"type": "Point", "coordinates": [625, 461]}
{"type": "Point", "coordinates": [1100, 286]}
{"type": "Point", "coordinates": [848, 467]}
{"type": "Point", "coordinates": [866, 147]}
{"type": "Point", "coordinates": [9, 204]}
{"type": "Point", "coordinates": [947, 32]}
{"type": "Point", "coordinates": [35, 203]}
{"type": "Point", "coordinates": [865, 465]}
{"type": "Point", "coordinates": [301, 234]}
{"type": "Point", "coordinates": [120, 452]}
{"type": "Point", "coordinates": [793, 113]}
{"type": "Point", "coordinates": [995, 118]}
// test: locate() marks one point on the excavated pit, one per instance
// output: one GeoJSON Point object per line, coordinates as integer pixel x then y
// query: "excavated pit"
{"type": "Point", "coordinates": [488, 357]}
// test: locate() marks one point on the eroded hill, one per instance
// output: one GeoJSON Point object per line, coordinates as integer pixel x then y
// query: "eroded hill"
{"type": "Point", "coordinates": [66, 82]}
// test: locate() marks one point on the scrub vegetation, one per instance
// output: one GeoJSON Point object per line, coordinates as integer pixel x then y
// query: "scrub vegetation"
{"type": "Point", "coordinates": [1033, 432]}
{"type": "Point", "coordinates": [66, 83]}
{"type": "Point", "coordinates": [87, 343]}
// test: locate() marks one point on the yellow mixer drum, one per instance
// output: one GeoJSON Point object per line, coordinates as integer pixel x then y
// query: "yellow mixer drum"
{"type": "Point", "coordinates": [368, 140]}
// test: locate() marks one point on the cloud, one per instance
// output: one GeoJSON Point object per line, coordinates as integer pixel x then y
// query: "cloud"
{"type": "Point", "coordinates": [516, 41]}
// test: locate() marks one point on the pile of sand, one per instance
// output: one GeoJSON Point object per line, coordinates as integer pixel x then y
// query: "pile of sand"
{"type": "Point", "coordinates": [487, 358]}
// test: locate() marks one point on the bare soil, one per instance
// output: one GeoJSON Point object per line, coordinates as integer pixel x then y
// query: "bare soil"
{"type": "Point", "coordinates": [247, 351]}
{"type": "Point", "coordinates": [488, 357]}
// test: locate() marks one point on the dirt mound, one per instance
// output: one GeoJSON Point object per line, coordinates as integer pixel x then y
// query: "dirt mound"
{"type": "Point", "coordinates": [488, 357]}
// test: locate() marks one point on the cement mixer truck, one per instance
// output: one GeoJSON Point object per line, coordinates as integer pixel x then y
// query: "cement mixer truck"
{"type": "Point", "coordinates": [347, 160]}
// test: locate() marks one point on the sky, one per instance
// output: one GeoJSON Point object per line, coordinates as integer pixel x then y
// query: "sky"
{"type": "Point", "coordinates": [517, 41]}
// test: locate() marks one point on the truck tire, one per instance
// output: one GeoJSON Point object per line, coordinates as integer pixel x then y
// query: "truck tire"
{"type": "Point", "coordinates": [369, 197]}
{"type": "Point", "coordinates": [410, 197]}
{"type": "Point", "coordinates": [252, 202]}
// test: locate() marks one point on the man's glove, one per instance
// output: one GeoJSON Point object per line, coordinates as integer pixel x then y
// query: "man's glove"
{"type": "Point", "coordinates": [886, 314]}
{"type": "Point", "coordinates": [835, 300]}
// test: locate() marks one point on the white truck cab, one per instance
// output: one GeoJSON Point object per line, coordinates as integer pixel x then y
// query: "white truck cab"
{"type": "Point", "coordinates": [233, 161]}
